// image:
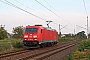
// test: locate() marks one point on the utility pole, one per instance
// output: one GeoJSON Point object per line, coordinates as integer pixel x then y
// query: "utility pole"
{"type": "Point", "coordinates": [74, 31]}
{"type": "Point", "coordinates": [87, 27]}
{"type": "Point", "coordinates": [59, 31]}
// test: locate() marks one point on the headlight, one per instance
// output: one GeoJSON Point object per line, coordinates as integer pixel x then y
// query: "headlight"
{"type": "Point", "coordinates": [26, 36]}
{"type": "Point", "coordinates": [35, 39]}
{"type": "Point", "coordinates": [25, 39]}
{"type": "Point", "coordinates": [35, 36]}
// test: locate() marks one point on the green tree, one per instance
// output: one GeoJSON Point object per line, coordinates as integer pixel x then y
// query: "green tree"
{"type": "Point", "coordinates": [18, 32]}
{"type": "Point", "coordinates": [81, 35]}
{"type": "Point", "coordinates": [3, 33]}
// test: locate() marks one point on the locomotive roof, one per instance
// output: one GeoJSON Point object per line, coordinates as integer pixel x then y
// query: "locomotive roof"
{"type": "Point", "coordinates": [47, 28]}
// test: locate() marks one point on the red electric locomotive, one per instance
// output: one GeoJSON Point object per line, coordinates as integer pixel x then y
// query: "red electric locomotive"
{"type": "Point", "coordinates": [39, 36]}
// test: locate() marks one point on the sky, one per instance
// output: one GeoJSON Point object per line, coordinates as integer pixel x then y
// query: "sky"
{"type": "Point", "coordinates": [67, 13]}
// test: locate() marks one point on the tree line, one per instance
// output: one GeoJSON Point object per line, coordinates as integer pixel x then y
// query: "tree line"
{"type": "Point", "coordinates": [79, 35]}
{"type": "Point", "coordinates": [18, 33]}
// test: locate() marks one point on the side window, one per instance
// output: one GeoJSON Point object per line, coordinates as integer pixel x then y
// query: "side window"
{"type": "Point", "coordinates": [41, 30]}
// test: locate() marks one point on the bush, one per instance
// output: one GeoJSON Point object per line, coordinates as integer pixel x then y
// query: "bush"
{"type": "Point", "coordinates": [69, 57]}
{"type": "Point", "coordinates": [17, 44]}
{"type": "Point", "coordinates": [82, 52]}
{"type": "Point", "coordinates": [4, 46]}
{"type": "Point", "coordinates": [85, 44]}
{"type": "Point", "coordinates": [8, 45]}
{"type": "Point", "coordinates": [79, 55]}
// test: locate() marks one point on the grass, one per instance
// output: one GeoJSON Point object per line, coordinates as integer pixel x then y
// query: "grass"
{"type": "Point", "coordinates": [8, 45]}
{"type": "Point", "coordinates": [82, 52]}
{"type": "Point", "coordinates": [61, 40]}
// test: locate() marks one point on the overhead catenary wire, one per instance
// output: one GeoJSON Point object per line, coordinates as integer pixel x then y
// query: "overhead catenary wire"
{"type": "Point", "coordinates": [23, 9]}
{"type": "Point", "coordinates": [56, 11]}
{"type": "Point", "coordinates": [11, 4]}
{"type": "Point", "coordinates": [32, 9]}
{"type": "Point", "coordinates": [64, 19]}
{"type": "Point", "coordinates": [53, 12]}
{"type": "Point", "coordinates": [35, 11]}
{"type": "Point", "coordinates": [53, 8]}
{"type": "Point", "coordinates": [29, 8]}
{"type": "Point", "coordinates": [48, 9]}
{"type": "Point", "coordinates": [85, 7]}
{"type": "Point", "coordinates": [87, 17]}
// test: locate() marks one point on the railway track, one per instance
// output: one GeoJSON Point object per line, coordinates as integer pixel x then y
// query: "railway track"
{"type": "Point", "coordinates": [13, 53]}
{"type": "Point", "coordinates": [48, 53]}
{"type": "Point", "coordinates": [37, 54]}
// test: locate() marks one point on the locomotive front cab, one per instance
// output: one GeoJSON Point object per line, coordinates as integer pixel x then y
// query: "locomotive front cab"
{"type": "Point", "coordinates": [30, 38]}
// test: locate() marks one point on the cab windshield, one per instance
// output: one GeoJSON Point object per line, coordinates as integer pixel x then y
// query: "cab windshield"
{"type": "Point", "coordinates": [31, 29]}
